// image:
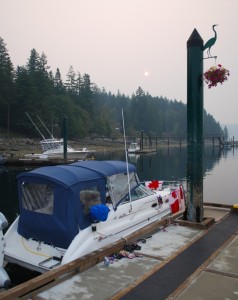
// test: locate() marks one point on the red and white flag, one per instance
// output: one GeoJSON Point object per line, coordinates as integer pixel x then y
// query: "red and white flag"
{"type": "Point", "coordinates": [174, 201]}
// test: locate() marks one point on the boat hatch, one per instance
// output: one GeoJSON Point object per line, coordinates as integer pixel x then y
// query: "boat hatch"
{"type": "Point", "coordinates": [50, 262]}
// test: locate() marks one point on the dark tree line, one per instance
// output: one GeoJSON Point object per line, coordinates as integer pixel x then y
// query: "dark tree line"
{"type": "Point", "coordinates": [90, 110]}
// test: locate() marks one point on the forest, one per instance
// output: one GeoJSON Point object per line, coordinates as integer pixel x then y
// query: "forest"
{"type": "Point", "coordinates": [90, 111]}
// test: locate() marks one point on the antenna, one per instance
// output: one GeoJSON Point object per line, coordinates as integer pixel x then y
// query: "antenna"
{"type": "Point", "coordinates": [127, 167]}
{"type": "Point", "coordinates": [45, 126]}
{"type": "Point", "coordinates": [35, 125]}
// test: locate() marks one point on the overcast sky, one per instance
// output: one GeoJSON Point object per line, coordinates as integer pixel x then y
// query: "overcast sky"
{"type": "Point", "coordinates": [124, 44]}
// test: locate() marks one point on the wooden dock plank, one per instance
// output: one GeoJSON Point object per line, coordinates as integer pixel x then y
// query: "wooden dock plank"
{"type": "Point", "coordinates": [83, 263]}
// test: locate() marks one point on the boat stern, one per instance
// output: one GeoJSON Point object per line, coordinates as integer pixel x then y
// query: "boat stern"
{"type": "Point", "coordinates": [29, 253]}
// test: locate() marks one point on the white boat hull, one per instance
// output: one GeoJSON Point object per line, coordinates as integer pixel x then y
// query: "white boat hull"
{"type": "Point", "coordinates": [77, 155]}
{"type": "Point", "coordinates": [120, 223]}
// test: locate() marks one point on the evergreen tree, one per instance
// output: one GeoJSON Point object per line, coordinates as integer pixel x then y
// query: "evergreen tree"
{"type": "Point", "coordinates": [71, 82]}
{"type": "Point", "coordinates": [58, 83]}
{"type": "Point", "coordinates": [86, 95]}
{"type": "Point", "coordinates": [89, 109]}
{"type": "Point", "coordinates": [6, 85]}
{"type": "Point", "coordinates": [34, 63]}
{"type": "Point", "coordinates": [78, 84]}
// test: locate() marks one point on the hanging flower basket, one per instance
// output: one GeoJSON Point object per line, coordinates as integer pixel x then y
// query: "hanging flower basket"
{"type": "Point", "coordinates": [216, 74]}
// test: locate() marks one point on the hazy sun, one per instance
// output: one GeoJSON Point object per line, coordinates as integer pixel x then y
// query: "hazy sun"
{"type": "Point", "coordinates": [146, 73]}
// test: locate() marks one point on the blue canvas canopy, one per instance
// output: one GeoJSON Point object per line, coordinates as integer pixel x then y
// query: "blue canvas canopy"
{"type": "Point", "coordinates": [55, 201]}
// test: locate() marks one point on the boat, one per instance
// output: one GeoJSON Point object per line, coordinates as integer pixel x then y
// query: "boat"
{"type": "Point", "coordinates": [68, 211]}
{"type": "Point", "coordinates": [54, 149]}
{"type": "Point", "coordinates": [133, 148]}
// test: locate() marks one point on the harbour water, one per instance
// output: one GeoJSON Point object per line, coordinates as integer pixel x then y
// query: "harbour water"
{"type": "Point", "coordinates": [219, 185]}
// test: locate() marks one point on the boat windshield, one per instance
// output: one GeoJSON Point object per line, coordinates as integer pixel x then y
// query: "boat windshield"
{"type": "Point", "coordinates": [118, 186]}
{"type": "Point", "coordinates": [137, 193]}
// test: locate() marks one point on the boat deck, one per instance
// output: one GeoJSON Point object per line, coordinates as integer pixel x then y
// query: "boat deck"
{"type": "Point", "coordinates": [178, 263]}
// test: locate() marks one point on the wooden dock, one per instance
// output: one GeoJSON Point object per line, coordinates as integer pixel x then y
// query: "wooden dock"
{"type": "Point", "coordinates": [66, 279]}
{"type": "Point", "coordinates": [171, 243]}
{"type": "Point", "coordinates": [81, 264]}
{"type": "Point", "coordinates": [21, 162]}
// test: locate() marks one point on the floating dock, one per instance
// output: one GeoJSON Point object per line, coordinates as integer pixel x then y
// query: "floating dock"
{"type": "Point", "coordinates": [18, 162]}
{"type": "Point", "coordinates": [175, 262]}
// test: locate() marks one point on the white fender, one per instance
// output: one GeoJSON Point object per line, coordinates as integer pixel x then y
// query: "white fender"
{"type": "Point", "coordinates": [3, 221]}
{"type": "Point", "coordinates": [4, 279]}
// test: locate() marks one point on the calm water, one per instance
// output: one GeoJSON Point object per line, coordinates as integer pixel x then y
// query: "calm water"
{"type": "Point", "coordinates": [220, 174]}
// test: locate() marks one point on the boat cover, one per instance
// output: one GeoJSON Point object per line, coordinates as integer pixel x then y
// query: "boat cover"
{"type": "Point", "coordinates": [99, 212]}
{"type": "Point", "coordinates": [55, 201]}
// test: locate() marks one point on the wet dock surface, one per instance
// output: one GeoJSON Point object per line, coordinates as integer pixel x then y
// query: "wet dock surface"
{"type": "Point", "coordinates": [175, 272]}
{"type": "Point", "coordinates": [175, 262]}
{"type": "Point", "coordinates": [104, 282]}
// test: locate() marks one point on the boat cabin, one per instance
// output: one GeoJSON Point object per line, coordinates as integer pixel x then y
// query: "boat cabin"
{"type": "Point", "coordinates": [55, 201]}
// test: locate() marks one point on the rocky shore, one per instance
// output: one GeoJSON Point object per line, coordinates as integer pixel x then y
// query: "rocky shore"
{"type": "Point", "coordinates": [18, 147]}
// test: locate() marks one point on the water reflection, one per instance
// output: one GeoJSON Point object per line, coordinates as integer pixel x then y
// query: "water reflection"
{"type": "Point", "coordinates": [219, 172]}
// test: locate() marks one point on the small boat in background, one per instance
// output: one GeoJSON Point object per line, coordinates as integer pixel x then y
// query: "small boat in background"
{"type": "Point", "coordinates": [133, 148]}
{"type": "Point", "coordinates": [54, 149]}
{"type": "Point", "coordinates": [68, 211]}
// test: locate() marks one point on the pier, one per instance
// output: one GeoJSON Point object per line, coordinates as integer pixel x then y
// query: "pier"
{"type": "Point", "coordinates": [175, 262]}
{"type": "Point", "coordinates": [215, 140]}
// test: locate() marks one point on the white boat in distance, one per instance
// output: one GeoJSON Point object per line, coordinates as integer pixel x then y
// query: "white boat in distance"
{"type": "Point", "coordinates": [133, 148]}
{"type": "Point", "coordinates": [68, 211]}
{"type": "Point", "coordinates": [54, 149]}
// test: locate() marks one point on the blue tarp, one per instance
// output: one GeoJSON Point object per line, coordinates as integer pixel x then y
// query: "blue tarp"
{"type": "Point", "coordinates": [63, 184]}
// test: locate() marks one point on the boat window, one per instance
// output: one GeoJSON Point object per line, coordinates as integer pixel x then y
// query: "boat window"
{"type": "Point", "coordinates": [138, 193]}
{"type": "Point", "coordinates": [146, 190]}
{"type": "Point", "coordinates": [118, 186]}
{"type": "Point", "coordinates": [50, 144]}
{"type": "Point", "coordinates": [38, 197]}
{"type": "Point", "coordinates": [90, 197]}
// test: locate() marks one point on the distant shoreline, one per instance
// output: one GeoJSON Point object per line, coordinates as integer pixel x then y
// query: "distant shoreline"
{"type": "Point", "coordinates": [18, 147]}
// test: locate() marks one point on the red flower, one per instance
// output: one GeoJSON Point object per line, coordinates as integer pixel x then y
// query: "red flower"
{"type": "Point", "coordinates": [216, 74]}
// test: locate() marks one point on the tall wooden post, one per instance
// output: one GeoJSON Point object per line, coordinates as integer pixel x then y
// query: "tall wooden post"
{"type": "Point", "coordinates": [194, 205]}
{"type": "Point", "coordinates": [65, 138]}
{"type": "Point", "coordinates": [142, 140]}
